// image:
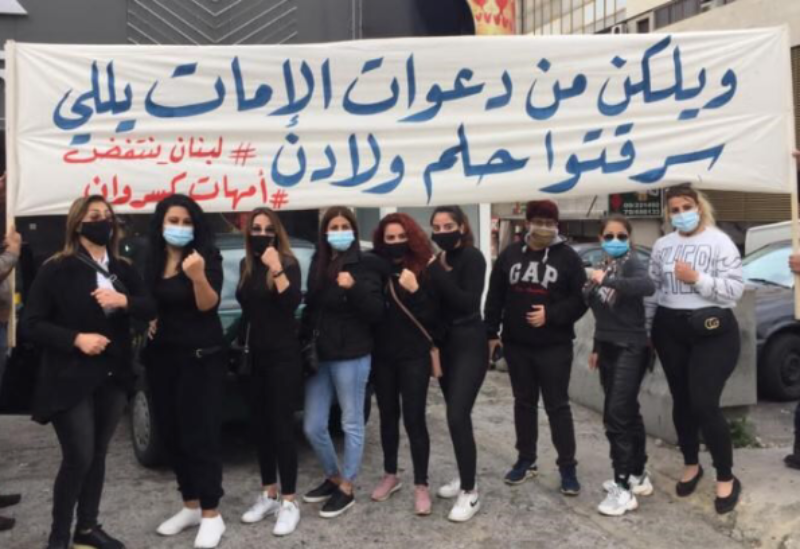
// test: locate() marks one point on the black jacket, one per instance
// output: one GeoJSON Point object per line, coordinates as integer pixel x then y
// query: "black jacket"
{"type": "Point", "coordinates": [271, 315]}
{"type": "Point", "coordinates": [345, 318]}
{"type": "Point", "coordinates": [397, 337]}
{"type": "Point", "coordinates": [618, 303]}
{"type": "Point", "coordinates": [523, 277]}
{"type": "Point", "coordinates": [60, 306]}
{"type": "Point", "coordinates": [461, 288]}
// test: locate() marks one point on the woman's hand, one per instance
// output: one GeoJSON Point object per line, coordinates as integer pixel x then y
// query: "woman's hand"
{"type": "Point", "coordinates": [598, 275]}
{"type": "Point", "coordinates": [685, 273]}
{"type": "Point", "coordinates": [272, 260]}
{"type": "Point", "coordinates": [345, 280]}
{"type": "Point", "coordinates": [538, 317]}
{"type": "Point", "coordinates": [408, 280]}
{"type": "Point", "coordinates": [110, 299]}
{"type": "Point", "coordinates": [194, 266]}
{"type": "Point", "coordinates": [152, 328]}
{"type": "Point", "coordinates": [91, 344]}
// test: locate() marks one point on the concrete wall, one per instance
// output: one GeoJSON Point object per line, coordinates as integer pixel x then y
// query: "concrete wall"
{"type": "Point", "coordinates": [655, 398]}
{"type": "Point", "coordinates": [746, 14]}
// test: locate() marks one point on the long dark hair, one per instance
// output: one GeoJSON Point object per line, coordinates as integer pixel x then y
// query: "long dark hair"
{"type": "Point", "coordinates": [420, 250]}
{"type": "Point", "coordinates": [458, 215]}
{"type": "Point", "coordinates": [203, 237]}
{"type": "Point", "coordinates": [326, 265]}
{"type": "Point", "coordinates": [281, 244]}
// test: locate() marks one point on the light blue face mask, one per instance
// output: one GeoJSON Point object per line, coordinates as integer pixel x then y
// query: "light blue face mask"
{"type": "Point", "coordinates": [178, 236]}
{"type": "Point", "coordinates": [616, 248]}
{"type": "Point", "coordinates": [686, 222]}
{"type": "Point", "coordinates": [341, 240]}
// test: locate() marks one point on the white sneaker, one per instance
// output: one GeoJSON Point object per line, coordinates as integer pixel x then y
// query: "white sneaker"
{"type": "Point", "coordinates": [618, 502]}
{"type": "Point", "coordinates": [288, 517]}
{"type": "Point", "coordinates": [450, 490]}
{"type": "Point", "coordinates": [185, 518]}
{"type": "Point", "coordinates": [210, 534]}
{"type": "Point", "coordinates": [264, 507]}
{"type": "Point", "coordinates": [640, 486]}
{"type": "Point", "coordinates": [466, 506]}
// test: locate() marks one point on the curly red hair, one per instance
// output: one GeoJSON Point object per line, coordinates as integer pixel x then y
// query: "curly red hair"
{"type": "Point", "coordinates": [420, 249]}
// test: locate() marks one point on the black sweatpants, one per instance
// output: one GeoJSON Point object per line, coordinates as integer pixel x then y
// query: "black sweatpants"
{"type": "Point", "coordinates": [465, 360]}
{"type": "Point", "coordinates": [84, 433]}
{"type": "Point", "coordinates": [276, 388]}
{"type": "Point", "coordinates": [697, 369]}
{"type": "Point", "coordinates": [546, 369]}
{"type": "Point", "coordinates": [622, 368]}
{"type": "Point", "coordinates": [187, 399]}
{"type": "Point", "coordinates": [402, 385]}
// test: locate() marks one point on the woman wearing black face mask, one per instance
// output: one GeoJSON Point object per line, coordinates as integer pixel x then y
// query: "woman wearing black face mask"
{"type": "Point", "coordinates": [402, 353]}
{"type": "Point", "coordinates": [270, 292]}
{"type": "Point", "coordinates": [79, 311]}
{"type": "Point", "coordinates": [459, 278]}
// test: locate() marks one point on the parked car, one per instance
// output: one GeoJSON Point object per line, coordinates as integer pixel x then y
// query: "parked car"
{"type": "Point", "coordinates": [777, 331]}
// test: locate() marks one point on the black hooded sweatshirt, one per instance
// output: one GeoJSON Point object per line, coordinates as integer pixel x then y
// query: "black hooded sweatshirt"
{"type": "Point", "coordinates": [523, 277]}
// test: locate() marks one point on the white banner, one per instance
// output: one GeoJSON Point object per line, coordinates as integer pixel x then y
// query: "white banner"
{"type": "Point", "coordinates": [408, 122]}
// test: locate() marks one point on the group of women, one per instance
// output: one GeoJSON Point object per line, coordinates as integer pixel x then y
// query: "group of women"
{"type": "Point", "coordinates": [398, 315]}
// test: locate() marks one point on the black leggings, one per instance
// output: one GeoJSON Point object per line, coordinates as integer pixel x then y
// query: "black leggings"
{"type": "Point", "coordinates": [276, 388]}
{"type": "Point", "coordinates": [545, 369]}
{"type": "Point", "coordinates": [622, 368]}
{"type": "Point", "coordinates": [465, 360]}
{"type": "Point", "coordinates": [84, 433]}
{"type": "Point", "coordinates": [697, 369]}
{"type": "Point", "coordinates": [406, 381]}
{"type": "Point", "coordinates": [187, 400]}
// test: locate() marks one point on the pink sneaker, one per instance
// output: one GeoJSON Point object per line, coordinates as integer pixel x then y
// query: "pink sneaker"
{"type": "Point", "coordinates": [422, 501]}
{"type": "Point", "coordinates": [389, 485]}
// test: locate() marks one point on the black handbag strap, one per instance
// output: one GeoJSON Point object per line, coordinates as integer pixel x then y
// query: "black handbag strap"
{"type": "Point", "coordinates": [409, 314]}
{"type": "Point", "coordinates": [114, 279]}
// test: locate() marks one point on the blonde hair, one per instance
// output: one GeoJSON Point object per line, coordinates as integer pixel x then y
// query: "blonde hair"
{"type": "Point", "coordinates": [706, 210]}
{"type": "Point", "coordinates": [77, 212]}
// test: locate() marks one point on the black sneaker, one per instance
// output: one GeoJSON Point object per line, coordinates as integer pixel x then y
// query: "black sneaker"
{"type": "Point", "coordinates": [6, 523]}
{"type": "Point", "coordinates": [96, 539]}
{"type": "Point", "coordinates": [321, 493]}
{"type": "Point", "coordinates": [569, 482]}
{"type": "Point", "coordinates": [522, 470]}
{"type": "Point", "coordinates": [792, 461]}
{"type": "Point", "coordinates": [337, 504]}
{"type": "Point", "coordinates": [9, 499]}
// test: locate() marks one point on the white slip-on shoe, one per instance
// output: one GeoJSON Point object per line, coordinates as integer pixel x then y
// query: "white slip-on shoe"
{"type": "Point", "coordinates": [467, 504]}
{"type": "Point", "coordinates": [288, 518]}
{"type": "Point", "coordinates": [183, 519]}
{"type": "Point", "coordinates": [264, 507]}
{"type": "Point", "coordinates": [210, 534]}
{"type": "Point", "coordinates": [449, 490]}
{"type": "Point", "coordinates": [618, 502]}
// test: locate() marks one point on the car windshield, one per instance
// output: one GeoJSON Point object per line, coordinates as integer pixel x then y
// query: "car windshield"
{"type": "Point", "coordinates": [769, 265]}
{"type": "Point", "coordinates": [232, 258]}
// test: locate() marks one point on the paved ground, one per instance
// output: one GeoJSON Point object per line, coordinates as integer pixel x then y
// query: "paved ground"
{"type": "Point", "coordinates": [533, 515]}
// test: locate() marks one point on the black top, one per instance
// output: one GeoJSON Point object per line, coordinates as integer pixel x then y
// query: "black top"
{"type": "Point", "coordinates": [618, 304]}
{"type": "Point", "coordinates": [345, 318]}
{"type": "Point", "coordinates": [180, 323]}
{"type": "Point", "coordinates": [271, 315]}
{"type": "Point", "coordinates": [461, 288]}
{"type": "Point", "coordinates": [397, 337]}
{"type": "Point", "coordinates": [523, 277]}
{"type": "Point", "coordinates": [59, 307]}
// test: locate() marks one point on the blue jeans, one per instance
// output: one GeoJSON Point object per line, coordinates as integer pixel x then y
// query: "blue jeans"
{"type": "Point", "coordinates": [347, 380]}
